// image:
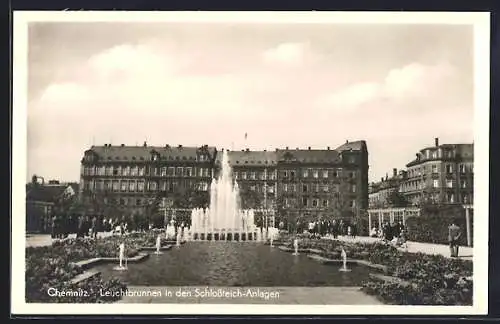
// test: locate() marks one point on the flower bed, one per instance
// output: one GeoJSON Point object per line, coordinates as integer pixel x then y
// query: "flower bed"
{"type": "Point", "coordinates": [425, 279]}
{"type": "Point", "coordinates": [53, 267]}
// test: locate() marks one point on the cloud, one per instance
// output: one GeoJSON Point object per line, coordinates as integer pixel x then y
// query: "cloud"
{"type": "Point", "coordinates": [287, 54]}
{"type": "Point", "coordinates": [411, 82]}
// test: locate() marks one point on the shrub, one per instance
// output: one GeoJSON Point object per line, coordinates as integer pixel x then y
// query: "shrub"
{"type": "Point", "coordinates": [432, 225]}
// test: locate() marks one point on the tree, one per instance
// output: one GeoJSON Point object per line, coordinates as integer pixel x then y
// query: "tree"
{"type": "Point", "coordinates": [250, 199]}
{"type": "Point", "coordinates": [397, 199]}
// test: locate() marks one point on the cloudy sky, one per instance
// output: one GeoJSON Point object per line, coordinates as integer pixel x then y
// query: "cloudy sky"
{"type": "Point", "coordinates": [298, 85]}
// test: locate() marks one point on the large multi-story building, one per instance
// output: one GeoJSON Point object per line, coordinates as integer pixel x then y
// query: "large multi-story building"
{"type": "Point", "coordinates": [382, 194]}
{"type": "Point", "coordinates": [441, 174]}
{"type": "Point", "coordinates": [311, 183]}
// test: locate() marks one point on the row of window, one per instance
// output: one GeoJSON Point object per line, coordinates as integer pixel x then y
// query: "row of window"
{"type": "Point", "coordinates": [312, 202]}
{"type": "Point", "coordinates": [139, 186]}
{"type": "Point", "coordinates": [316, 173]}
{"type": "Point", "coordinates": [436, 168]}
{"type": "Point", "coordinates": [315, 187]}
{"type": "Point", "coordinates": [254, 175]}
{"type": "Point", "coordinates": [140, 171]}
{"type": "Point", "coordinates": [436, 183]}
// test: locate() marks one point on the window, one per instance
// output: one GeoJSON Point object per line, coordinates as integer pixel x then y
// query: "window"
{"type": "Point", "coordinates": [272, 175]}
{"type": "Point", "coordinates": [316, 188]}
{"type": "Point", "coordinates": [100, 185]}
{"type": "Point", "coordinates": [462, 168]}
{"type": "Point", "coordinates": [449, 183]}
{"type": "Point", "coordinates": [235, 174]}
{"type": "Point", "coordinates": [152, 186]}
{"type": "Point", "coordinates": [325, 188]}
{"type": "Point", "coordinates": [287, 203]}
{"type": "Point", "coordinates": [285, 174]}
{"type": "Point", "coordinates": [325, 173]}
{"type": "Point", "coordinates": [262, 176]}
{"type": "Point", "coordinates": [163, 171]}
{"type": "Point", "coordinates": [315, 173]}
{"type": "Point", "coordinates": [109, 171]}
{"type": "Point", "coordinates": [285, 187]}
{"type": "Point", "coordinates": [101, 171]}
{"type": "Point", "coordinates": [450, 197]}
{"type": "Point", "coordinates": [124, 185]}
{"type": "Point", "coordinates": [108, 185]}
{"type": "Point", "coordinates": [292, 174]}
{"type": "Point", "coordinates": [138, 202]}
{"type": "Point", "coordinates": [187, 172]}
{"type": "Point", "coordinates": [465, 199]}
{"type": "Point", "coordinates": [352, 175]}
{"type": "Point", "coordinates": [243, 175]}
{"type": "Point", "coordinates": [325, 202]}
{"type": "Point", "coordinates": [205, 172]}
{"type": "Point", "coordinates": [435, 183]}
{"type": "Point", "coordinates": [179, 172]}
{"type": "Point", "coordinates": [134, 171]}
{"type": "Point", "coordinates": [434, 154]}
{"type": "Point", "coordinates": [305, 173]}
{"type": "Point", "coordinates": [352, 203]}
{"type": "Point", "coordinates": [252, 175]}
{"type": "Point", "coordinates": [353, 188]}
{"type": "Point", "coordinates": [131, 186]}
{"type": "Point", "coordinates": [304, 188]}
{"type": "Point", "coordinates": [141, 171]}
{"type": "Point", "coordinates": [335, 174]}
{"type": "Point", "coordinates": [140, 186]}
{"type": "Point", "coordinates": [252, 187]}
{"type": "Point", "coordinates": [270, 189]}
{"type": "Point", "coordinates": [315, 202]}
{"type": "Point", "coordinates": [293, 187]}
{"type": "Point", "coordinates": [116, 186]}
{"type": "Point", "coordinates": [304, 201]}
{"type": "Point", "coordinates": [117, 171]}
{"type": "Point", "coordinates": [463, 184]}
{"type": "Point", "coordinates": [449, 168]}
{"type": "Point", "coordinates": [434, 168]}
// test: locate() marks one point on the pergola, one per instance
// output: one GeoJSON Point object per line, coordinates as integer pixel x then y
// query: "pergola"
{"type": "Point", "coordinates": [402, 213]}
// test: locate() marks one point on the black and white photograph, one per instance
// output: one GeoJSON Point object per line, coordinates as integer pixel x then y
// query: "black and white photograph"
{"type": "Point", "coordinates": [250, 163]}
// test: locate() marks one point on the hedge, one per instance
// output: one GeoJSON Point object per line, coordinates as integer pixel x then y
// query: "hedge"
{"type": "Point", "coordinates": [432, 225]}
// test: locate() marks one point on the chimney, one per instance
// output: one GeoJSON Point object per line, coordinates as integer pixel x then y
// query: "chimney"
{"type": "Point", "coordinates": [328, 148]}
{"type": "Point", "coordinates": [386, 176]}
{"type": "Point", "coordinates": [123, 145]}
{"type": "Point", "coordinates": [180, 146]}
{"type": "Point", "coordinates": [265, 150]}
{"type": "Point", "coordinates": [417, 156]}
{"type": "Point", "coordinates": [309, 148]}
{"type": "Point", "coordinates": [287, 147]}
{"type": "Point", "coordinates": [145, 144]}
{"type": "Point", "coordinates": [167, 146]}
{"type": "Point", "coordinates": [346, 141]}
{"type": "Point", "coordinates": [394, 172]}
{"type": "Point", "coordinates": [382, 179]}
{"type": "Point", "coordinates": [436, 141]}
{"type": "Point", "coordinates": [248, 150]}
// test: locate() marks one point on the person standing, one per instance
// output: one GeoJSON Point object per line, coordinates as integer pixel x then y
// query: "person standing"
{"type": "Point", "coordinates": [453, 237]}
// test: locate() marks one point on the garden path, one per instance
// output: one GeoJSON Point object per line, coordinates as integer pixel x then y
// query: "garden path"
{"type": "Point", "coordinates": [464, 252]}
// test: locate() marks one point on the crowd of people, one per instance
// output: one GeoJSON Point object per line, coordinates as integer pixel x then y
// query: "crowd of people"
{"type": "Point", "coordinates": [333, 228]}
{"type": "Point", "coordinates": [86, 225]}
{"type": "Point", "coordinates": [394, 232]}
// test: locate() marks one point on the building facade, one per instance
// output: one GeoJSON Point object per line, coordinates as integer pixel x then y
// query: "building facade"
{"type": "Point", "coordinates": [443, 173]}
{"type": "Point", "coordinates": [294, 183]}
{"type": "Point", "coordinates": [382, 194]}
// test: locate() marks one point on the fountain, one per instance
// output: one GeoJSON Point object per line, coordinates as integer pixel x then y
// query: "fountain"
{"type": "Point", "coordinates": [170, 230]}
{"type": "Point", "coordinates": [296, 246]}
{"type": "Point", "coordinates": [271, 241]}
{"type": "Point", "coordinates": [223, 220]}
{"type": "Point", "coordinates": [122, 267]}
{"type": "Point", "coordinates": [343, 254]}
{"type": "Point", "coordinates": [158, 245]}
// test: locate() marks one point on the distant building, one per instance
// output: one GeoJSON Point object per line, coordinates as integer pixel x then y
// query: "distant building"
{"type": "Point", "coordinates": [443, 173]}
{"type": "Point", "coordinates": [307, 183]}
{"type": "Point", "coordinates": [382, 193]}
{"type": "Point", "coordinates": [42, 201]}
